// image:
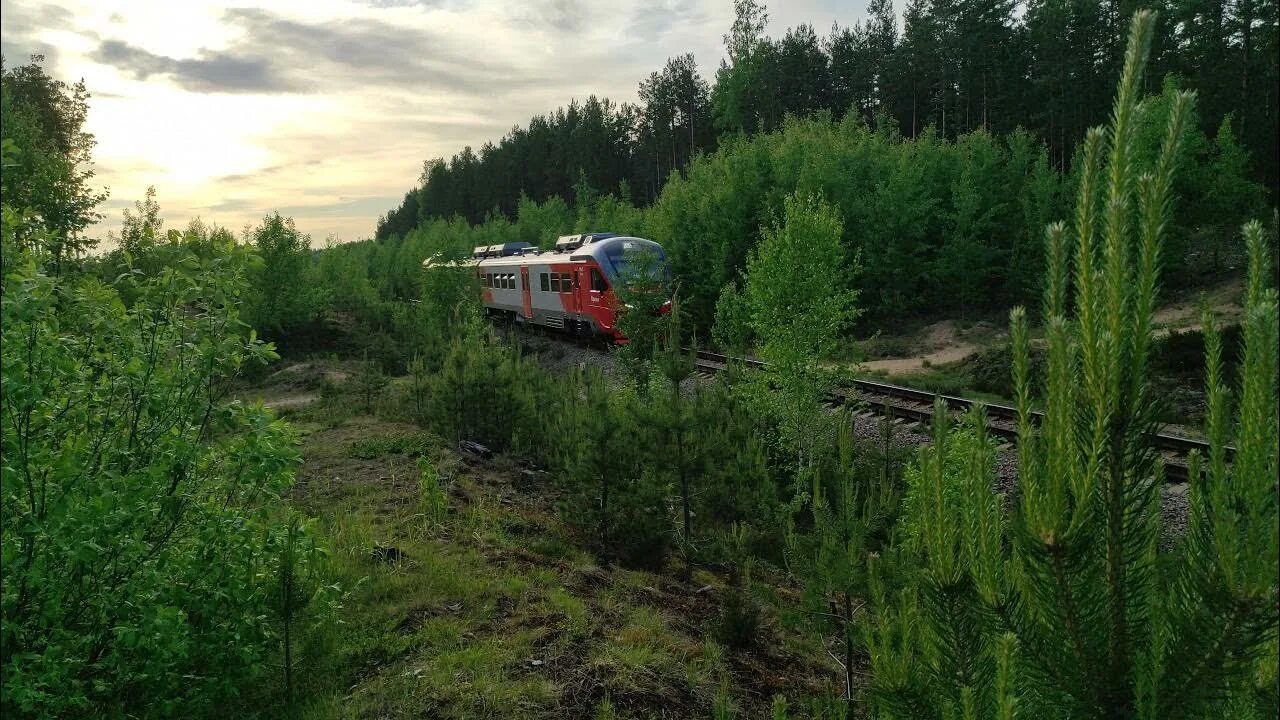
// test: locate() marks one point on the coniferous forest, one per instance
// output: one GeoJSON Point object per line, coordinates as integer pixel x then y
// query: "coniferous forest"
{"type": "Point", "coordinates": [948, 68]}
{"type": "Point", "coordinates": [246, 475]}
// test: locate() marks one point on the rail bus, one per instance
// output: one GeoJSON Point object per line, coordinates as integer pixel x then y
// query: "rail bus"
{"type": "Point", "coordinates": [570, 288]}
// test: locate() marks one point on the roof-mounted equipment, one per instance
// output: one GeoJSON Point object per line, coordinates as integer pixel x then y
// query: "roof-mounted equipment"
{"type": "Point", "coordinates": [569, 243]}
{"type": "Point", "coordinates": [511, 248]}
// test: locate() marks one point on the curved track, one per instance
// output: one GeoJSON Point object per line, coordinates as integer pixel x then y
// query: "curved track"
{"type": "Point", "coordinates": [1002, 420]}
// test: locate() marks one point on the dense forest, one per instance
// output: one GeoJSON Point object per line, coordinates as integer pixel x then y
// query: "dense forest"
{"type": "Point", "coordinates": [446, 524]}
{"type": "Point", "coordinates": [1045, 67]}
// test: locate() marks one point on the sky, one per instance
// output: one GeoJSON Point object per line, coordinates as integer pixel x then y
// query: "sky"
{"type": "Point", "coordinates": [324, 110]}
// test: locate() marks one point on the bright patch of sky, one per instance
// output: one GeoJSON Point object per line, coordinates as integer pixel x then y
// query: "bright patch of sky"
{"type": "Point", "coordinates": [326, 109]}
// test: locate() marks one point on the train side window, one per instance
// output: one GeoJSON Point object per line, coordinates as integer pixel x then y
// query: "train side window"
{"type": "Point", "coordinates": [544, 281]}
{"type": "Point", "coordinates": [511, 281]}
{"type": "Point", "coordinates": [597, 281]}
{"type": "Point", "coordinates": [555, 282]}
{"type": "Point", "coordinates": [566, 283]}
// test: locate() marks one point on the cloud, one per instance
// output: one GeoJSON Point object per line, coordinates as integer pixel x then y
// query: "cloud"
{"type": "Point", "coordinates": [653, 19]}
{"type": "Point", "coordinates": [256, 174]}
{"type": "Point", "coordinates": [23, 18]}
{"type": "Point", "coordinates": [212, 71]}
{"type": "Point", "coordinates": [366, 51]}
{"type": "Point", "coordinates": [370, 206]}
{"type": "Point", "coordinates": [22, 22]}
{"type": "Point", "coordinates": [402, 3]}
{"type": "Point", "coordinates": [350, 53]}
{"type": "Point", "coordinates": [230, 205]}
{"type": "Point", "coordinates": [565, 16]}
{"type": "Point", "coordinates": [326, 109]}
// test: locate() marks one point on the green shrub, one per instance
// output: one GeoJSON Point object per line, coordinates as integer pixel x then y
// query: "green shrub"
{"type": "Point", "coordinates": [610, 496]}
{"type": "Point", "coordinates": [483, 392]}
{"type": "Point", "coordinates": [138, 504]}
{"type": "Point", "coordinates": [433, 496]}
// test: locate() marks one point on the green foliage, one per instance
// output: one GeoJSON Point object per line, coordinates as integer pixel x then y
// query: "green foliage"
{"type": "Point", "coordinates": [369, 384]}
{"type": "Point", "coordinates": [432, 494]}
{"type": "Point", "coordinates": [138, 503]}
{"type": "Point", "coordinates": [644, 295]}
{"type": "Point", "coordinates": [946, 214]}
{"type": "Point", "coordinates": [740, 620]}
{"type": "Point", "coordinates": [484, 392]}
{"type": "Point", "coordinates": [797, 309]}
{"type": "Point", "coordinates": [732, 328]}
{"type": "Point", "coordinates": [611, 494]}
{"type": "Point", "coordinates": [853, 504]}
{"type": "Point", "coordinates": [284, 294]}
{"type": "Point", "coordinates": [47, 172]}
{"type": "Point", "coordinates": [1068, 608]}
{"type": "Point", "coordinates": [303, 604]}
{"type": "Point", "coordinates": [141, 231]}
{"type": "Point", "coordinates": [415, 445]}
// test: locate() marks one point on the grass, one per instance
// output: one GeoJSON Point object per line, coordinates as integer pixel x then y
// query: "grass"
{"type": "Point", "coordinates": [412, 444]}
{"type": "Point", "coordinates": [492, 608]}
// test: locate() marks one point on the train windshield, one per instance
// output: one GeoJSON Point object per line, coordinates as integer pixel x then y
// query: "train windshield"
{"type": "Point", "coordinates": [633, 263]}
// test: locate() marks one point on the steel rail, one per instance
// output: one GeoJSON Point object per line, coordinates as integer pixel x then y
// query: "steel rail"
{"type": "Point", "coordinates": [878, 395]}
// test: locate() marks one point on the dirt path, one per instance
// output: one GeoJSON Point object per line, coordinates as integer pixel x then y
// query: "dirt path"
{"type": "Point", "coordinates": [939, 343]}
{"type": "Point", "coordinates": [290, 402]}
{"type": "Point", "coordinates": [1225, 300]}
{"type": "Point", "coordinates": [944, 342]}
{"type": "Point", "coordinates": [901, 366]}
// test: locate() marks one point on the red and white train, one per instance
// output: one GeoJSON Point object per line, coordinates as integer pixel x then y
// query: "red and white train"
{"type": "Point", "coordinates": [570, 288]}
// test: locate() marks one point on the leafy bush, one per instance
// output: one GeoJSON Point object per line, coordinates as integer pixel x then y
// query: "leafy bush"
{"type": "Point", "coordinates": [283, 295]}
{"type": "Point", "coordinates": [138, 503]}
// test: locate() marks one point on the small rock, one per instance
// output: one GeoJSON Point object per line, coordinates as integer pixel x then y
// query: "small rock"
{"type": "Point", "coordinates": [703, 590]}
{"type": "Point", "coordinates": [474, 448]}
{"type": "Point", "coordinates": [537, 663]}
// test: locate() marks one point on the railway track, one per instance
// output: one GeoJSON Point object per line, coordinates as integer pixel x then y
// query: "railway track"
{"type": "Point", "coordinates": [918, 406]}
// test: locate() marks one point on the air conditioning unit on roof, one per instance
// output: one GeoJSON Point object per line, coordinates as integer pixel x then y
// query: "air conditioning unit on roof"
{"type": "Point", "coordinates": [565, 243]}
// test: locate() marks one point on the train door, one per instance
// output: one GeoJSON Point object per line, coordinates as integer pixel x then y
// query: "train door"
{"type": "Point", "coordinates": [526, 299]}
{"type": "Point", "coordinates": [570, 290]}
{"type": "Point", "coordinates": [596, 292]}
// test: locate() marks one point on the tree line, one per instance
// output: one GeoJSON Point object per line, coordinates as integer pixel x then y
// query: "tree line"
{"type": "Point", "coordinates": [954, 67]}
